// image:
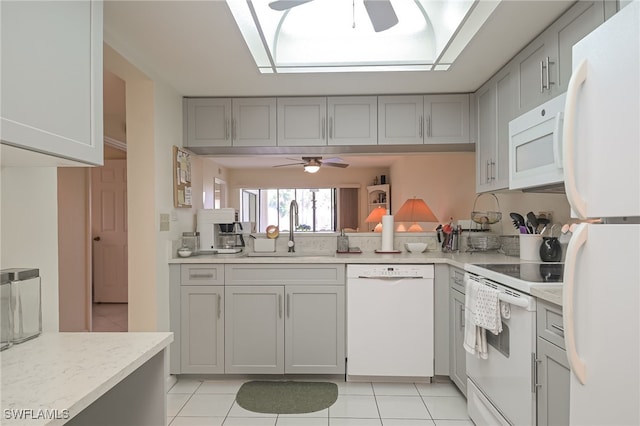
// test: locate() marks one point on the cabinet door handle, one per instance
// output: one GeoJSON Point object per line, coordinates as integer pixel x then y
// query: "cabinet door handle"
{"type": "Point", "coordinates": [462, 317]}
{"type": "Point", "coordinates": [429, 124]}
{"type": "Point", "coordinates": [541, 76]}
{"type": "Point", "coordinates": [234, 135]}
{"type": "Point", "coordinates": [226, 129]}
{"type": "Point", "coordinates": [548, 61]}
{"type": "Point", "coordinates": [493, 170]}
{"type": "Point", "coordinates": [534, 373]}
{"type": "Point", "coordinates": [487, 170]}
{"type": "Point", "coordinates": [288, 303]}
{"type": "Point", "coordinates": [420, 126]}
{"type": "Point", "coordinates": [322, 126]}
{"type": "Point", "coordinates": [279, 306]}
{"type": "Point", "coordinates": [219, 305]}
{"type": "Point", "coordinates": [330, 127]}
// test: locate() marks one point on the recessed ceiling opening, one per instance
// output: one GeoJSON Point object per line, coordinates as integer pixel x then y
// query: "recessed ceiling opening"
{"type": "Point", "coordinates": [298, 36]}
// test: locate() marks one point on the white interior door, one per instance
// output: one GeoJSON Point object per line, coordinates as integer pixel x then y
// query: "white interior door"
{"type": "Point", "coordinates": [109, 231]}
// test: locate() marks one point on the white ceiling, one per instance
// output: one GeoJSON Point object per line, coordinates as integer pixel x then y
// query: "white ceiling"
{"type": "Point", "coordinates": [196, 47]}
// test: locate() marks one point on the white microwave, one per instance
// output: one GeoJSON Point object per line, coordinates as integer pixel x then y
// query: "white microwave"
{"type": "Point", "coordinates": [535, 148]}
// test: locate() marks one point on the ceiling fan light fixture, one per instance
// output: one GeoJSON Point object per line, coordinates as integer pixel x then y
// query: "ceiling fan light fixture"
{"type": "Point", "coordinates": [309, 168]}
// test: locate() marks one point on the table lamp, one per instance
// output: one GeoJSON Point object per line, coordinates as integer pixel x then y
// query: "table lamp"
{"type": "Point", "coordinates": [415, 210]}
{"type": "Point", "coordinates": [376, 217]}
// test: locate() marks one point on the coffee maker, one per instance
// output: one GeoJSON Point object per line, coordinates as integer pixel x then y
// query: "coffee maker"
{"type": "Point", "coordinates": [220, 232]}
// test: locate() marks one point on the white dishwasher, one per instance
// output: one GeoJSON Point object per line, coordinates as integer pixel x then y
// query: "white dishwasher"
{"type": "Point", "coordinates": [390, 321]}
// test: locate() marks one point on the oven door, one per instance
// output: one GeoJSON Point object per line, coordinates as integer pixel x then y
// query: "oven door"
{"type": "Point", "coordinates": [505, 378]}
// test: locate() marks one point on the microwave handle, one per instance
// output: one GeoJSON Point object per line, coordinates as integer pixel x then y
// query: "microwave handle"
{"type": "Point", "coordinates": [557, 159]}
{"type": "Point", "coordinates": [568, 134]}
{"type": "Point", "coordinates": [576, 364]}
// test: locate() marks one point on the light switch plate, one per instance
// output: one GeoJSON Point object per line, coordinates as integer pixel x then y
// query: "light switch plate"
{"type": "Point", "coordinates": [164, 222]}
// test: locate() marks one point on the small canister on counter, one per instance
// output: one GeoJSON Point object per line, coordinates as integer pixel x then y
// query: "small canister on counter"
{"type": "Point", "coordinates": [6, 319]}
{"type": "Point", "coordinates": [26, 305]}
{"type": "Point", "coordinates": [191, 240]}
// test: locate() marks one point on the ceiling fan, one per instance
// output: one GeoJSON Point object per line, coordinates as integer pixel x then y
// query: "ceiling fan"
{"type": "Point", "coordinates": [381, 13]}
{"type": "Point", "coordinates": [312, 164]}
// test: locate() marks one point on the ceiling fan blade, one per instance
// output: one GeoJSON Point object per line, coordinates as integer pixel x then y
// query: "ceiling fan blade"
{"type": "Point", "coordinates": [290, 164]}
{"type": "Point", "coordinates": [333, 160]}
{"type": "Point", "coordinates": [381, 14]}
{"type": "Point", "coordinates": [342, 165]}
{"type": "Point", "coordinates": [281, 5]}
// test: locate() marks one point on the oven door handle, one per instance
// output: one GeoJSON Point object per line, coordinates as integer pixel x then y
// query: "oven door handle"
{"type": "Point", "coordinates": [576, 364]}
{"type": "Point", "coordinates": [513, 300]}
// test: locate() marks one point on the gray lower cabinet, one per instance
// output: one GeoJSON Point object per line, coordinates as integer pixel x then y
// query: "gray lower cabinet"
{"type": "Point", "coordinates": [314, 329]}
{"type": "Point", "coordinates": [284, 319]}
{"type": "Point", "coordinates": [552, 367]}
{"type": "Point", "coordinates": [254, 329]}
{"type": "Point", "coordinates": [202, 329]}
{"type": "Point", "coordinates": [457, 353]}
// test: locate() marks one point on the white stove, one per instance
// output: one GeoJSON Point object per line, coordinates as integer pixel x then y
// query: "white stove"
{"type": "Point", "coordinates": [519, 276]}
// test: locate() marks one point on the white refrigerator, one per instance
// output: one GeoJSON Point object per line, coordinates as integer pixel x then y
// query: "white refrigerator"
{"type": "Point", "coordinates": [601, 298]}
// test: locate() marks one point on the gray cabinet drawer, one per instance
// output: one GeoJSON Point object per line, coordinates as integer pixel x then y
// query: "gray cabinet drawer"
{"type": "Point", "coordinates": [202, 274]}
{"type": "Point", "coordinates": [550, 323]}
{"type": "Point", "coordinates": [457, 279]}
{"type": "Point", "coordinates": [286, 273]}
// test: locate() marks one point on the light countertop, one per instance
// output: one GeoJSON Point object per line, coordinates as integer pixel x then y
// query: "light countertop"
{"type": "Point", "coordinates": [69, 371]}
{"type": "Point", "coordinates": [550, 293]}
{"type": "Point", "coordinates": [456, 259]}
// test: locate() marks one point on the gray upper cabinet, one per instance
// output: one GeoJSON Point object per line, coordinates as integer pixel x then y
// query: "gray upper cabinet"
{"type": "Point", "coordinates": [202, 329]}
{"type": "Point", "coordinates": [544, 66]}
{"type": "Point", "coordinates": [446, 119]}
{"type": "Point", "coordinates": [353, 120]}
{"type": "Point", "coordinates": [253, 122]}
{"type": "Point", "coordinates": [207, 122]}
{"type": "Point", "coordinates": [302, 121]}
{"type": "Point", "coordinates": [225, 122]}
{"type": "Point", "coordinates": [45, 42]}
{"type": "Point", "coordinates": [314, 329]}
{"type": "Point", "coordinates": [400, 120]}
{"type": "Point", "coordinates": [579, 21]}
{"type": "Point", "coordinates": [495, 107]}
{"type": "Point", "coordinates": [254, 329]}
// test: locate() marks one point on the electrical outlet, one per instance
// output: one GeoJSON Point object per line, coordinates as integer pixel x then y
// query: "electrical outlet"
{"type": "Point", "coordinates": [546, 215]}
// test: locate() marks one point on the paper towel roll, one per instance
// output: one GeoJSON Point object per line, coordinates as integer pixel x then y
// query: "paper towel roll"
{"type": "Point", "coordinates": [387, 233]}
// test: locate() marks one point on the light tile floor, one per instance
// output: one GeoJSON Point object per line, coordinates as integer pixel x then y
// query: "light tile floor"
{"type": "Point", "coordinates": [110, 317]}
{"type": "Point", "coordinates": [212, 403]}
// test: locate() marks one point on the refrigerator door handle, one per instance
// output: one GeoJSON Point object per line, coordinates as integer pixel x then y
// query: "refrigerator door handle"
{"type": "Point", "coordinates": [556, 140]}
{"type": "Point", "coordinates": [568, 134]}
{"type": "Point", "coordinates": [576, 364]}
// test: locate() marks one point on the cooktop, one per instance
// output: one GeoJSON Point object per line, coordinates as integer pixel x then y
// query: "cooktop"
{"type": "Point", "coordinates": [520, 276]}
{"type": "Point", "coordinates": [532, 272]}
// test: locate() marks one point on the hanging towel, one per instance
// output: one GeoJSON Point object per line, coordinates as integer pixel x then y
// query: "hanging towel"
{"type": "Point", "coordinates": [487, 309]}
{"type": "Point", "coordinates": [475, 339]}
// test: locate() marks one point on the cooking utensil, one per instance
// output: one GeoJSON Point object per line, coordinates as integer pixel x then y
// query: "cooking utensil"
{"type": "Point", "coordinates": [518, 220]}
{"type": "Point", "coordinates": [533, 220]}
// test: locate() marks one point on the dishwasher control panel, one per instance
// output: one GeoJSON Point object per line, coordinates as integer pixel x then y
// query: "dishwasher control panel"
{"type": "Point", "coordinates": [390, 271]}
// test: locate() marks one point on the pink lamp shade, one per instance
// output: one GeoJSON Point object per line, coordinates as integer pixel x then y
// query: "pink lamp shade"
{"type": "Point", "coordinates": [376, 217]}
{"type": "Point", "coordinates": [415, 210]}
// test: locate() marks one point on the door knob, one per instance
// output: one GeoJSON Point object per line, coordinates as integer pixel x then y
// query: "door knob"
{"type": "Point", "coordinates": [96, 239]}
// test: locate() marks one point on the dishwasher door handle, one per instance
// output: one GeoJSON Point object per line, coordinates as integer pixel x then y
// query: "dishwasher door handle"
{"type": "Point", "coordinates": [367, 277]}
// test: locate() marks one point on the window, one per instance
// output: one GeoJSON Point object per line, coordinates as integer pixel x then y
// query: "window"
{"type": "Point", "coordinates": [316, 208]}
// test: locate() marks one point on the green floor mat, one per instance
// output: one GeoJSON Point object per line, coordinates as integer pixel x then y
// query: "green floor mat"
{"type": "Point", "coordinates": [286, 397]}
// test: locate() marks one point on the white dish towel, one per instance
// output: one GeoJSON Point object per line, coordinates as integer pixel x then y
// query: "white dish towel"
{"type": "Point", "coordinates": [487, 311]}
{"type": "Point", "coordinates": [475, 338]}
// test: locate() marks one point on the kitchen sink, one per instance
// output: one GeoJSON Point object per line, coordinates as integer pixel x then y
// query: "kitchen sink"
{"type": "Point", "coordinates": [287, 254]}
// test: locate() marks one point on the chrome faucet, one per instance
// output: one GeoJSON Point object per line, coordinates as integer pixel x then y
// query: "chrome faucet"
{"type": "Point", "coordinates": [293, 213]}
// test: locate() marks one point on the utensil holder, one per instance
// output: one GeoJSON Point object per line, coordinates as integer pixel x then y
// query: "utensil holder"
{"type": "Point", "coordinates": [530, 247]}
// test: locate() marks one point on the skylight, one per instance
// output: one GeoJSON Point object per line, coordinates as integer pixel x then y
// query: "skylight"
{"type": "Point", "coordinates": [297, 36]}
